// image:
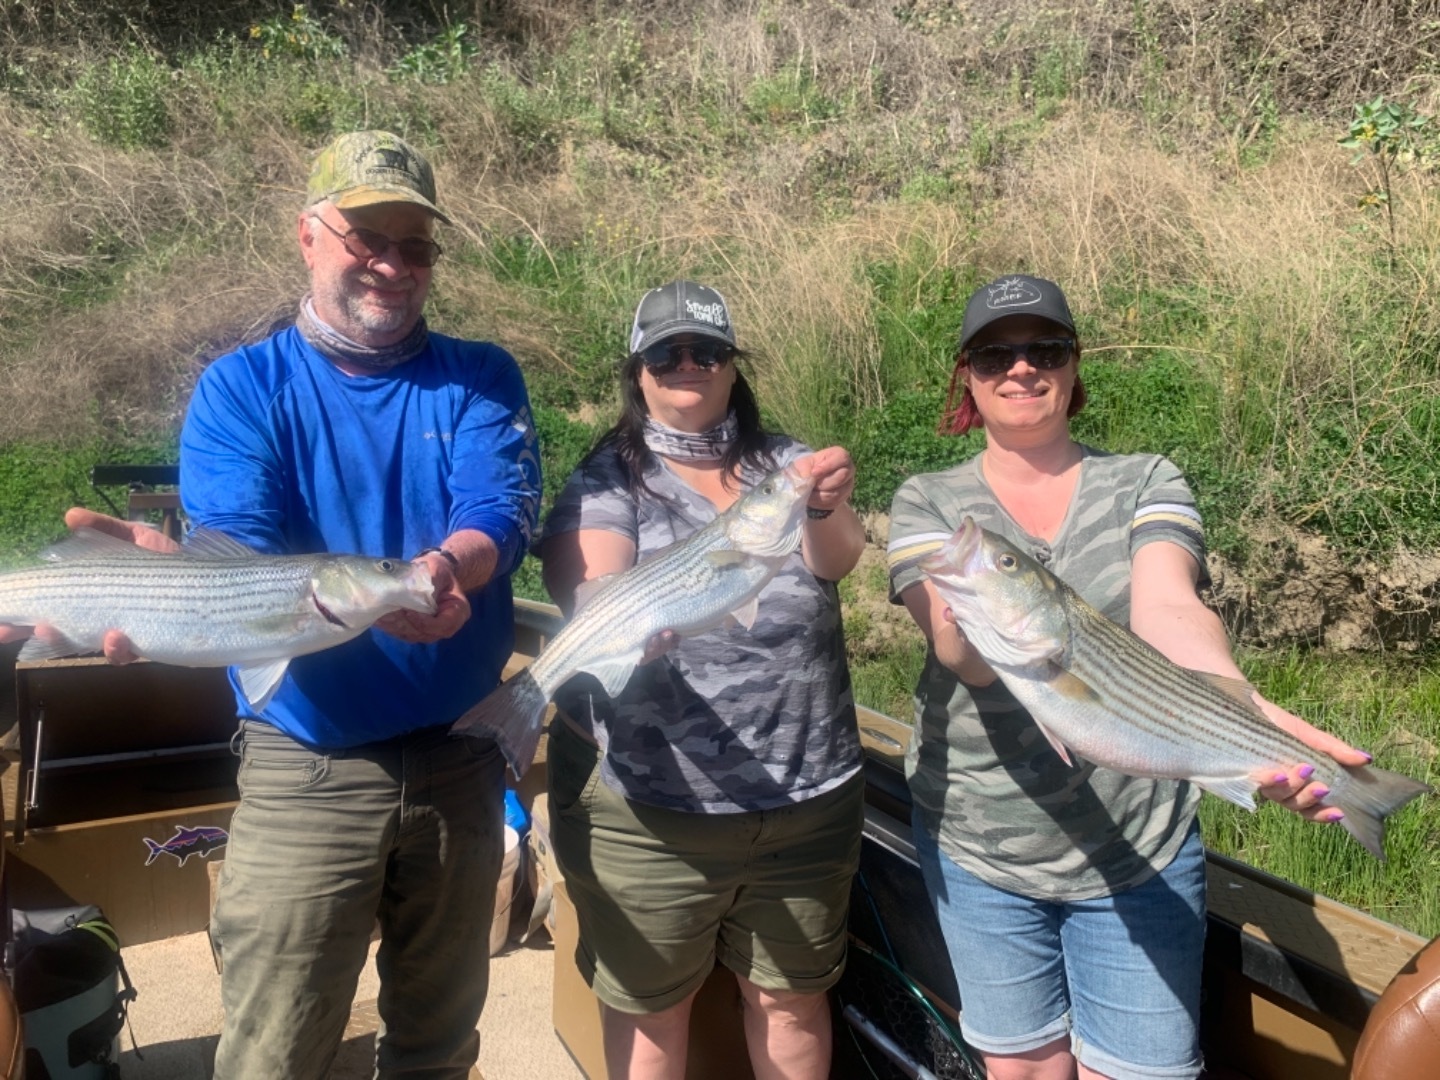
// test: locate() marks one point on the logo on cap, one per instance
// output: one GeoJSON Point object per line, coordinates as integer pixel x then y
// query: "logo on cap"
{"type": "Point", "coordinates": [713, 314]}
{"type": "Point", "coordinates": [1012, 292]}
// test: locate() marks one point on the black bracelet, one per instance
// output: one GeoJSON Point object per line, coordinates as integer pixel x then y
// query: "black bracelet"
{"type": "Point", "coordinates": [814, 513]}
{"type": "Point", "coordinates": [448, 556]}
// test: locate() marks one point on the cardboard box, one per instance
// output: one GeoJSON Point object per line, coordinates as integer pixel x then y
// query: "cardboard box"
{"type": "Point", "coordinates": [717, 1033]}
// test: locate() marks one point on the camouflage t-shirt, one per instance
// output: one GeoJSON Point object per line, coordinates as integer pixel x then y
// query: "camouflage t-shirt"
{"type": "Point", "coordinates": [731, 720]}
{"type": "Point", "coordinates": [986, 783]}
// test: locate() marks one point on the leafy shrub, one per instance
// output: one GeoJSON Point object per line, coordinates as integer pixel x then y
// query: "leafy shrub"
{"type": "Point", "coordinates": [121, 101]}
{"type": "Point", "coordinates": [300, 36]}
{"type": "Point", "coordinates": [440, 61]}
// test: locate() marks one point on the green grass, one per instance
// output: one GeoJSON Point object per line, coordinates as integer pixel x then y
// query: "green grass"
{"type": "Point", "coordinates": [1390, 708]}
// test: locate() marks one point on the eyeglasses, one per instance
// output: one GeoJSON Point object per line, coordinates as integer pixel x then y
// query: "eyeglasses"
{"type": "Point", "coordinates": [665, 356]}
{"type": "Point", "coordinates": [1045, 355]}
{"type": "Point", "coordinates": [367, 244]}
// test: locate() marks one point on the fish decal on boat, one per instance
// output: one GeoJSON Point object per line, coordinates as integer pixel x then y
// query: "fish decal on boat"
{"type": "Point", "coordinates": [186, 842]}
{"type": "Point", "coordinates": [1094, 688]}
{"type": "Point", "coordinates": [691, 586]}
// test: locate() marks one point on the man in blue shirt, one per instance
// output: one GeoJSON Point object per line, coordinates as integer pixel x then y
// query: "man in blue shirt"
{"type": "Point", "coordinates": [358, 430]}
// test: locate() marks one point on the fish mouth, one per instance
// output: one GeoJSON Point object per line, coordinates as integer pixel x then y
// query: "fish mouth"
{"type": "Point", "coordinates": [955, 555]}
{"type": "Point", "coordinates": [425, 605]}
{"type": "Point", "coordinates": [803, 484]}
{"type": "Point", "coordinates": [421, 597]}
{"type": "Point", "coordinates": [966, 541]}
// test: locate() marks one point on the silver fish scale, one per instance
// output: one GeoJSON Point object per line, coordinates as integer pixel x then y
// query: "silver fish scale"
{"type": "Point", "coordinates": [165, 605]}
{"type": "Point", "coordinates": [679, 589]}
{"type": "Point", "coordinates": [1167, 702]}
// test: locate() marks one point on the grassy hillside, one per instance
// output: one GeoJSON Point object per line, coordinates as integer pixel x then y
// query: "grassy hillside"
{"type": "Point", "coordinates": [1257, 301]}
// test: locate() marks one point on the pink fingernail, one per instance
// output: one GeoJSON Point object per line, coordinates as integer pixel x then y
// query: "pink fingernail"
{"type": "Point", "coordinates": [1320, 792]}
{"type": "Point", "coordinates": [1335, 815]}
{"type": "Point", "coordinates": [1307, 771]}
{"type": "Point", "coordinates": [1279, 778]}
{"type": "Point", "coordinates": [1368, 757]}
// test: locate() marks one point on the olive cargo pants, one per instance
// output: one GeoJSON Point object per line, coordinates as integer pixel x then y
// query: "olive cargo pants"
{"type": "Point", "coordinates": [409, 831]}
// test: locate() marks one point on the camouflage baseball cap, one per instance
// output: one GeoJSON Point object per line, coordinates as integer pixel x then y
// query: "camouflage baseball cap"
{"type": "Point", "coordinates": [364, 168]}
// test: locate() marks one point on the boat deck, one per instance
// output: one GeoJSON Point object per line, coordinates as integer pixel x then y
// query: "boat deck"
{"type": "Point", "coordinates": [176, 1016]}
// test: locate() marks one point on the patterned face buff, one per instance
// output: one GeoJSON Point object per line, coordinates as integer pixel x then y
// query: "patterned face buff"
{"type": "Point", "coordinates": [336, 347]}
{"type": "Point", "coordinates": [686, 446]}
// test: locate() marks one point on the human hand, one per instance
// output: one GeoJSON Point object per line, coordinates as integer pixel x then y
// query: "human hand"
{"type": "Point", "coordinates": [833, 471]}
{"type": "Point", "coordinates": [136, 532]}
{"type": "Point", "coordinates": [452, 607]}
{"type": "Point", "coordinates": [955, 651]}
{"type": "Point", "coordinates": [659, 645]}
{"type": "Point", "coordinates": [1292, 786]}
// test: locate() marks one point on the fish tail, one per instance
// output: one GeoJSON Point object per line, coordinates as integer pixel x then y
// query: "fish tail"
{"type": "Point", "coordinates": [155, 850]}
{"type": "Point", "coordinates": [1371, 796]}
{"type": "Point", "coordinates": [513, 715]}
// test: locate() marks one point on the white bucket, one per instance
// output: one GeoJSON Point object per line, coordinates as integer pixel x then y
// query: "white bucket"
{"type": "Point", "coordinates": [505, 891]}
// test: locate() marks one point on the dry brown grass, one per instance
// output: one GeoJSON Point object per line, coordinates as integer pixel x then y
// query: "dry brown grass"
{"type": "Point", "coordinates": [170, 256]}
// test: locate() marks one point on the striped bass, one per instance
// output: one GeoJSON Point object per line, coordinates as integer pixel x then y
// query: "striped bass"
{"type": "Point", "coordinates": [691, 586]}
{"type": "Point", "coordinates": [213, 603]}
{"type": "Point", "coordinates": [1094, 688]}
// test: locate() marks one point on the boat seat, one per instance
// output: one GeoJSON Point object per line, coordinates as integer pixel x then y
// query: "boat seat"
{"type": "Point", "coordinates": [1402, 1036]}
{"type": "Point", "coordinates": [12, 1038]}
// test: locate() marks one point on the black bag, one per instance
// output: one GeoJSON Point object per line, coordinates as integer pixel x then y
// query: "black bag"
{"type": "Point", "coordinates": [67, 974]}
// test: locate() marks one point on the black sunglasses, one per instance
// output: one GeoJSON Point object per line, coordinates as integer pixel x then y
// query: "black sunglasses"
{"type": "Point", "coordinates": [367, 244]}
{"type": "Point", "coordinates": [664, 356]}
{"type": "Point", "coordinates": [1046, 355]}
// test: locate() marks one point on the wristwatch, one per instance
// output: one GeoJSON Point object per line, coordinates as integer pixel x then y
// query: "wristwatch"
{"type": "Point", "coordinates": [448, 556]}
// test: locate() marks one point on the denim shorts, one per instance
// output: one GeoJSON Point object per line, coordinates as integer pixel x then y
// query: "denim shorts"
{"type": "Point", "coordinates": [1119, 974]}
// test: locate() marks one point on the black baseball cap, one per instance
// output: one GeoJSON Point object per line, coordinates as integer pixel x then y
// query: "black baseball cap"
{"type": "Point", "coordinates": [1015, 294]}
{"type": "Point", "coordinates": [681, 307]}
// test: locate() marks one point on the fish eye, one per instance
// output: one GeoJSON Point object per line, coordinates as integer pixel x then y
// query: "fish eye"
{"type": "Point", "coordinates": [767, 488]}
{"type": "Point", "coordinates": [386, 565]}
{"type": "Point", "coordinates": [1008, 561]}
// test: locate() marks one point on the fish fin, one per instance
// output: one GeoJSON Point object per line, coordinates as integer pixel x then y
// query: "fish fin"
{"type": "Point", "coordinates": [514, 716]}
{"type": "Point", "coordinates": [1054, 741]}
{"type": "Point", "coordinates": [87, 543]}
{"type": "Point", "coordinates": [586, 590]}
{"type": "Point", "coordinates": [49, 649]}
{"type": "Point", "coordinates": [156, 850]}
{"type": "Point", "coordinates": [1237, 789]}
{"type": "Point", "coordinates": [1370, 796]}
{"type": "Point", "coordinates": [614, 672]}
{"type": "Point", "coordinates": [745, 614]}
{"type": "Point", "coordinates": [214, 544]}
{"type": "Point", "coordinates": [1238, 689]}
{"type": "Point", "coordinates": [726, 557]}
{"type": "Point", "coordinates": [259, 681]}
{"type": "Point", "coordinates": [1071, 686]}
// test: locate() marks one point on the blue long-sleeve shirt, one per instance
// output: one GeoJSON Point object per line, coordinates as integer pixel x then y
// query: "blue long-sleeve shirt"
{"type": "Point", "coordinates": [286, 453]}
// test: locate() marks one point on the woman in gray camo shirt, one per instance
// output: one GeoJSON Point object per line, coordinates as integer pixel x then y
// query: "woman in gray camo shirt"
{"type": "Point", "coordinates": [712, 810]}
{"type": "Point", "coordinates": [1072, 899]}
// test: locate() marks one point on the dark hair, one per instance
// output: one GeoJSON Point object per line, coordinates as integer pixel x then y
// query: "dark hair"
{"type": "Point", "coordinates": [627, 437]}
{"type": "Point", "coordinates": [959, 417]}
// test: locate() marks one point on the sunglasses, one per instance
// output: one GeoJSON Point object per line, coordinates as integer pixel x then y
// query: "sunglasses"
{"type": "Point", "coordinates": [1045, 355]}
{"type": "Point", "coordinates": [367, 244]}
{"type": "Point", "coordinates": [664, 356]}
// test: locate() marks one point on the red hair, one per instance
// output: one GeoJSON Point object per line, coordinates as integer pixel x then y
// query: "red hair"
{"type": "Point", "coordinates": [958, 418]}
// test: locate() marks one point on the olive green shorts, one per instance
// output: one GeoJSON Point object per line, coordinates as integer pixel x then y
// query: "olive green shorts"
{"type": "Point", "coordinates": [661, 894]}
